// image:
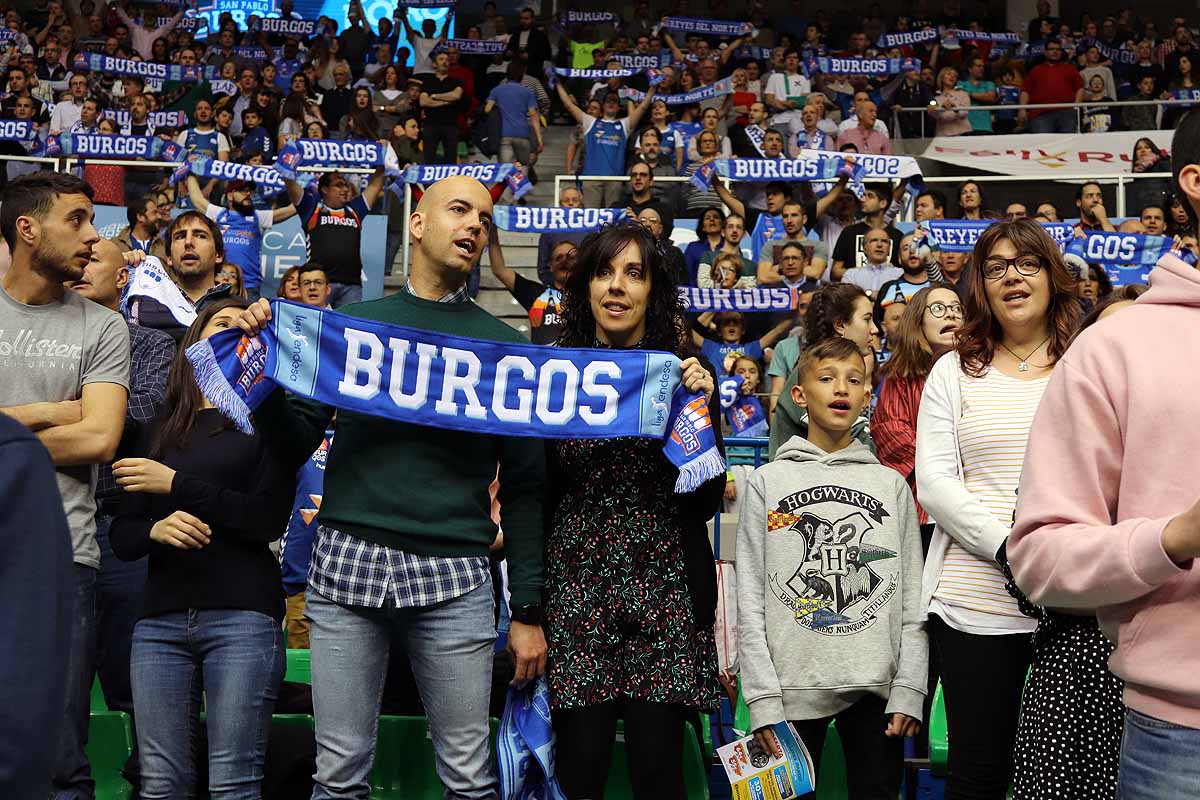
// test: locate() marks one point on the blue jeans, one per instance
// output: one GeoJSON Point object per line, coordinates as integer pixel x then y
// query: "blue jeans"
{"type": "Point", "coordinates": [449, 646]}
{"type": "Point", "coordinates": [341, 294]}
{"type": "Point", "coordinates": [1158, 759]}
{"type": "Point", "coordinates": [1063, 121]}
{"type": "Point", "coordinates": [237, 659]}
{"type": "Point", "coordinates": [72, 777]}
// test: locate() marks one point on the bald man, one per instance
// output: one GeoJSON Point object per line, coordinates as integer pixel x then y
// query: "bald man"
{"type": "Point", "coordinates": [402, 544]}
{"type": "Point", "coordinates": [119, 583]}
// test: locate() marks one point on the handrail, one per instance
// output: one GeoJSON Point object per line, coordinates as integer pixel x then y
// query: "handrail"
{"type": "Point", "coordinates": [1076, 107]}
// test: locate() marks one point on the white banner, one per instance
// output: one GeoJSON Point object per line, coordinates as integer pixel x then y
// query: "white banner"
{"type": "Point", "coordinates": [1044, 154]}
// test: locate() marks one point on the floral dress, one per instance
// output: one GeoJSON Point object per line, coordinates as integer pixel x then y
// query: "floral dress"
{"type": "Point", "coordinates": [620, 617]}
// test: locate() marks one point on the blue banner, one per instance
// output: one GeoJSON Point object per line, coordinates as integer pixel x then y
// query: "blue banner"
{"type": "Point", "coordinates": [640, 61]}
{"type": "Point", "coordinates": [744, 411]}
{"type": "Point", "coordinates": [908, 38]}
{"type": "Point", "coordinates": [960, 235]}
{"type": "Point", "coordinates": [595, 74]}
{"type": "Point", "coordinates": [1114, 54]}
{"type": "Point", "coordinates": [478, 47]}
{"type": "Point", "coordinates": [1186, 94]}
{"type": "Point", "coordinates": [251, 52]}
{"type": "Point", "coordinates": [289, 27]}
{"type": "Point", "coordinates": [98, 62]}
{"type": "Point", "coordinates": [266, 179]}
{"type": "Point", "coordinates": [715, 89]}
{"type": "Point", "coordinates": [776, 298]}
{"type": "Point", "coordinates": [553, 219]}
{"type": "Point", "coordinates": [1005, 37]}
{"type": "Point", "coordinates": [707, 27]}
{"type": "Point", "coordinates": [451, 382]}
{"type": "Point", "coordinates": [111, 145]}
{"type": "Point", "coordinates": [784, 169]}
{"type": "Point", "coordinates": [1110, 248]}
{"type": "Point", "coordinates": [590, 18]}
{"type": "Point", "coordinates": [157, 119]}
{"type": "Point", "coordinates": [431, 173]}
{"type": "Point", "coordinates": [19, 130]}
{"type": "Point", "coordinates": [185, 24]}
{"type": "Point", "coordinates": [832, 65]}
{"type": "Point", "coordinates": [426, 3]}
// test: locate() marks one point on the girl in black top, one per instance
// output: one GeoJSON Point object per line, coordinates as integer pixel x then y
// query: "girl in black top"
{"type": "Point", "coordinates": [203, 505]}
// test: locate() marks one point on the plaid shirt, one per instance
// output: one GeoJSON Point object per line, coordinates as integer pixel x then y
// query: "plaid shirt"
{"type": "Point", "coordinates": [150, 356]}
{"type": "Point", "coordinates": [354, 572]}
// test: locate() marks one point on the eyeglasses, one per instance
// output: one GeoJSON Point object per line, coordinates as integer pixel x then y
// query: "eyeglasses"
{"type": "Point", "coordinates": [317, 283]}
{"type": "Point", "coordinates": [940, 310]}
{"type": "Point", "coordinates": [996, 268]}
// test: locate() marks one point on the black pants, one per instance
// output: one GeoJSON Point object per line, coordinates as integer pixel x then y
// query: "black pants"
{"type": "Point", "coordinates": [874, 762]}
{"type": "Point", "coordinates": [982, 681]}
{"type": "Point", "coordinates": [433, 134]}
{"type": "Point", "coordinates": [653, 741]}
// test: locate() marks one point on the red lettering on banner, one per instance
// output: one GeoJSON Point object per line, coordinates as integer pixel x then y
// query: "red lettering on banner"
{"type": "Point", "coordinates": [1095, 155]}
{"type": "Point", "coordinates": [984, 153]}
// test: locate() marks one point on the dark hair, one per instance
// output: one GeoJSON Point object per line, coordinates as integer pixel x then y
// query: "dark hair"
{"type": "Point", "coordinates": [665, 328]}
{"type": "Point", "coordinates": [835, 348]}
{"type": "Point", "coordinates": [183, 397]}
{"type": "Point", "coordinates": [881, 189]}
{"type": "Point", "coordinates": [831, 304]}
{"type": "Point", "coordinates": [516, 71]}
{"type": "Point", "coordinates": [1085, 184]}
{"type": "Point", "coordinates": [939, 199]}
{"type": "Point", "coordinates": [1186, 152]}
{"type": "Point", "coordinates": [312, 266]}
{"type": "Point", "coordinates": [1101, 278]}
{"type": "Point", "coordinates": [981, 330]}
{"type": "Point", "coordinates": [138, 206]}
{"type": "Point", "coordinates": [33, 195]}
{"type": "Point", "coordinates": [703, 214]}
{"type": "Point", "coordinates": [982, 197]}
{"type": "Point", "coordinates": [213, 230]}
{"type": "Point", "coordinates": [912, 355]}
{"type": "Point", "coordinates": [1130, 291]}
{"type": "Point", "coordinates": [778, 187]}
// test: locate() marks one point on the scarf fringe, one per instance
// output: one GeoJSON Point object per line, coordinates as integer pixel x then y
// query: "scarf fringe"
{"type": "Point", "coordinates": [703, 468]}
{"type": "Point", "coordinates": [215, 386]}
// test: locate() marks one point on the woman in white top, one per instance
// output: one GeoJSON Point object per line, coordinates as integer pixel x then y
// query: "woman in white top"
{"type": "Point", "coordinates": [950, 105]}
{"type": "Point", "coordinates": [972, 427]}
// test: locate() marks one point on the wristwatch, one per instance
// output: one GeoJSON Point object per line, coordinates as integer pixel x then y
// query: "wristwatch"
{"type": "Point", "coordinates": [530, 614]}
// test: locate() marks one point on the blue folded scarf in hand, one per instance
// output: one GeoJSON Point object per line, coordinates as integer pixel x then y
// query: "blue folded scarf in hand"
{"type": "Point", "coordinates": [443, 381]}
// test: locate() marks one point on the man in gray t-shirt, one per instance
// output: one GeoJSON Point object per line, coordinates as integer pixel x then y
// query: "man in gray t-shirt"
{"type": "Point", "coordinates": [64, 374]}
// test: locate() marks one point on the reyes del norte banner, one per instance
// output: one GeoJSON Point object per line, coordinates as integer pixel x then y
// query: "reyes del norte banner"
{"type": "Point", "coordinates": [443, 381]}
{"type": "Point", "coordinates": [960, 235]}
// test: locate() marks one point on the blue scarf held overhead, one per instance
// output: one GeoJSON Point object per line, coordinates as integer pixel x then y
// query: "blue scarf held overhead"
{"type": "Point", "coordinates": [590, 18]}
{"type": "Point", "coordinates": [443, 381]}
{"type": "Point", "coordinates": [640, 60]}
{"type": "Point", "coordinates": [97, 62]}
{"type": "Point", "coordinates": [426, 3]}
{"type": "Point", "coordinates": [1126, 257]}
{"type": "Point", "coordinates": [1115, 54]}
{"type": "Point", "coordinates": [425, 174]}
{"type": "Point", "coordinates": [744, 411]}
{"type": "Point", "coordinates": [1001, 37]}
{"type": "Point", "coordinates": [887, 40]}
{"type": "Point", "coordinates": [291, 27]}
{"type": "Point", "coordinates": [697, 301]}
{"type": "Point", "coordinates": [149, 279]}
{"type": "Point", "coordinates": [156, 119]}
{"type": "Point", "coordinates": [476, 47]}
{"type": "Point", "coordinates": [878, 67]}
{"type": "Point", "coordinates": [707, 27]}
{"type": "Point", "coordinates": [553, 219]}
{"type": "Point", "coordinates": [823, 167]}
{"type": "Point", "coordinates": [265, 178]}
{"type": "Point", "coordinates": [525, 745]}
{"type": "Point", "coordinates": [595, 74]}
{"type": "Point", "coordinates": [327, 153]}
{"type": "Point", "coordinates": [960, 235]}
{"type": "Point", "coordinates": [715, 89]}
{"type": "Point", "coordinates": [111, 145]}
{"type": "Point", "coordinates": [184, 24]}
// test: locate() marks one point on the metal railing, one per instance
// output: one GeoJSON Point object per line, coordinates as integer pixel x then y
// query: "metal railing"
{"type": "Point", "coordinates": [1078, 108]}
{"type": "Point", "coordinates": [1120, 180]}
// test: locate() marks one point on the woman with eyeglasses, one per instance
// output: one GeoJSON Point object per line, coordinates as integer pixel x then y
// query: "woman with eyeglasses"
{"type": "Point", "coordinates": [927, 329]}
{"type": "Point", "coordinates": [974, 419]}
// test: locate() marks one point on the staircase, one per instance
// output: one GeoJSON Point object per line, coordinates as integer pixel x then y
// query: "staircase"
{"type": "Point", "coordinates": [520, 249]}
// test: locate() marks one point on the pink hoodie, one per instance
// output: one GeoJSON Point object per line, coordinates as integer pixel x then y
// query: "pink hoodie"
{"type": "Point", "coordinates": [1112, 458]}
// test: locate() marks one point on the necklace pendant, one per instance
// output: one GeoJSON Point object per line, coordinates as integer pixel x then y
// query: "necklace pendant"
{"type": "Point", "coordinates": [1023, 366]}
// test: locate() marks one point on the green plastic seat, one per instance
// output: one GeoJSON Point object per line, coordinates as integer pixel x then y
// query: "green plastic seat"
{"type": "Point", "coordinates": [404, 765]}
{"type": "Point", "coordinates": [299, 666]}
{"type": "Point", "coordinates": [939, 741]}
{"type": "Point", "coordinates": [110, 743]}
{"type": "Point", "coordinates": [832, 768]}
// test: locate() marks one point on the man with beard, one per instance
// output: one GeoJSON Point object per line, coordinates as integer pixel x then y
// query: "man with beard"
{"type": "Point", "coordinates": [242, 227]}
{"type": "Point", "coordinates": [65, 376]}
{"type": "Point", "coordinates": [195, 247]}
{"type": "Point", "coordinates": [142, 231]}
{"type": "Point", "coordinates": [1089, 199]}
{"type": "Point", "coordinates": [900, 290]}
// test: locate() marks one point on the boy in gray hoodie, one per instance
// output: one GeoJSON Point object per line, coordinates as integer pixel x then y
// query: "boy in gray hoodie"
{"type": "Point", "coordinates": [829, 585]}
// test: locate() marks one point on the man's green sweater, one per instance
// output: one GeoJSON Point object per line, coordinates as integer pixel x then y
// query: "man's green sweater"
{"type": "Point", "coordinates": [419, 489]}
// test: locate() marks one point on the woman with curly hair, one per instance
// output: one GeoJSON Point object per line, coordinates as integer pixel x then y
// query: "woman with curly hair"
{"type": "Point", "coordinates": [972, 427]}
{"type": "Point", "coordinates": [630, 579]}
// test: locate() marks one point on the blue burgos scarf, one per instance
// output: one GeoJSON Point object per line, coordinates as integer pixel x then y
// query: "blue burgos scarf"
{"type": "Point", "coordinates": [744, 412]}
{"type": "Point", "coordinates": [443, 381]}
{"type": "Point", "coordinates": [525, 745]}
